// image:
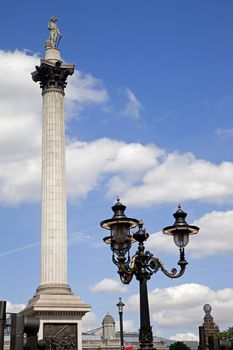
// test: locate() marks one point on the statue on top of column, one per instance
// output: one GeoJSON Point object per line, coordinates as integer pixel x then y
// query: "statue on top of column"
{"type": "Point", "coordinates": [55, 35]}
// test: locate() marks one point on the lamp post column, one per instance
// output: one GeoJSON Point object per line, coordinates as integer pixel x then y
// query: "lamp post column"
{"type": "Point", "coordinates": [121, 330]}
{"type": "Point", "coordinates": [2, 322]}
{"type": "Point", "coordinates": [120, 306]}
{"type": "Point", "coordinates": [142, 275]}
{"type": "Point", "coordinates": [145, 331]}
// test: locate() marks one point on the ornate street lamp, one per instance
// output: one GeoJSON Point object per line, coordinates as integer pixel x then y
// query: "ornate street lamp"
{"type": "Point", "coordinates": [120, 306]}
{"type": "Point", "coordinates": [143, 264]}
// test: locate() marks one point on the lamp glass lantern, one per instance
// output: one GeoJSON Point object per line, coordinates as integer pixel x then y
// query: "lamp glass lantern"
{"type": "Point", "coordinates": [120, 306]}
{"type": "Point", "coordinates": [119, 225]}
{"type": "Point", "coordinates": [180, 230]}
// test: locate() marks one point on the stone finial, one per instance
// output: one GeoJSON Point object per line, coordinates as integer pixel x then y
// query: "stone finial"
{"type": "Point", "coordinates": [207, 308]}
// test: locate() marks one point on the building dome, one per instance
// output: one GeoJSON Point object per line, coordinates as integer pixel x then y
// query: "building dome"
{"type": "Point", "coordinates": [108, 319]}
{"type": "Point", "coordinates": [108, 328]}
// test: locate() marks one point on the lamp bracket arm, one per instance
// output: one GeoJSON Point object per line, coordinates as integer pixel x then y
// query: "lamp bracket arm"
{"type": "Point", "coordinates": [125, 272]}
{"type": "Point", "coordinates": [156, 264]}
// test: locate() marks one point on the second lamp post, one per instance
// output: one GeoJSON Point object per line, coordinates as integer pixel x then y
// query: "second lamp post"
{"type": "Point", "coordinates": [120, 306]}
{"type": "Point", "coordinates": [143, 264]}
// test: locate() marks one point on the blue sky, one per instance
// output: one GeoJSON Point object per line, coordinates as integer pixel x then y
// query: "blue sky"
{"type": "Point", "coordinates": [148, 118]}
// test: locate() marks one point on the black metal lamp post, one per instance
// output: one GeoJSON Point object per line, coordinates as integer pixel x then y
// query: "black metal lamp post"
{"type": "Point", "coordinates": [120, 306]}
{"type": "Point", "coordinates": [2, 322]}
{"type": "Point", "coordinates": [143, 264]}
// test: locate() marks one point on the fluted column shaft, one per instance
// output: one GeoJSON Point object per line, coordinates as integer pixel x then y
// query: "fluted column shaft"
{"type": "Point", "coordinates": [53, 230]}
{"type": "Point", "coordinates": [52, 77]}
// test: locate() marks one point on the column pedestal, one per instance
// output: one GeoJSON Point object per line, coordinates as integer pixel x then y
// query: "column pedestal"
{"type": "Point", "coordinates": [60, 313]}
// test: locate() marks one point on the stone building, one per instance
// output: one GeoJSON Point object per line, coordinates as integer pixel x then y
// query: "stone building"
{"type": "Point", "coordinates": [105, 337]}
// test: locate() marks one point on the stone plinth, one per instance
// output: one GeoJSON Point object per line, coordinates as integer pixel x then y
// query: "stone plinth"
{"type": "Point", "coordinates": [58, 311]}
{"type": "Point", "coordinates": [52, 54]}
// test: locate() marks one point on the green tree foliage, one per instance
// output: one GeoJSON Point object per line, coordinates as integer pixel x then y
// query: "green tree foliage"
{"type": "Point", "coordinates": [179, 345]}
{"type": "Point", "coordinates": [228, 335]}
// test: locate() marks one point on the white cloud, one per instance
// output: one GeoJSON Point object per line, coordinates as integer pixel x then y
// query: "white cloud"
{"type": "Point", "coordinates": [179, 177]}
{"type": "Point", "coordinates": [89, 321]}
{"type": "Point", "coordinates": [185, 337]}
{"type": "Point", "coordinates": [224, 132]}
{"type": "Point", "coordinates": [19, 107]}
{"type": "Point", "coordinates": [133, 106]}
{"type": "Point", "coordinates": [209, 241]}
{"type": "Point", "coordinates": [108, 285]}
{"type": "Point", "coordinates": [89, 163]}
{"type": "Point", "coordinates": [144, 175]}
{"type": "Point", "coordinates": [182, 306]}
{"type": "Point", "coordinates": [141, 174]}
{"type": "Point", "coordinates": [129, 326]}
{"type": "Point", "coordinates": [215, 235]}
{"type": "Point", "coordinates": [83, 89]}
{"type": "Point", "coordinates": [20, 122]}
{"type": "Point", "coordinates": [14, 308]}
{"type": "Point", "coordinates": [20, 181]}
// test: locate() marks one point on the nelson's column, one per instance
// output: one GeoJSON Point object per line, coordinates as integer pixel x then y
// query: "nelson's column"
{"type": "Point", "coordinates": [59, 310]}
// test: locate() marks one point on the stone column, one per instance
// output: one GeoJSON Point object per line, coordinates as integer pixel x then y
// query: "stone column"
{"type": "Point", "coordinates": [53, 220]}
{"type": "Point", "coordinates": [59, 310]}
{"type": "Point", "coordinates": [52, 78]}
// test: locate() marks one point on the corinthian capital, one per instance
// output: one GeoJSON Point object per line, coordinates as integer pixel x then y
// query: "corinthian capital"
{"type": "Point", "coordinates": [52, 75]}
